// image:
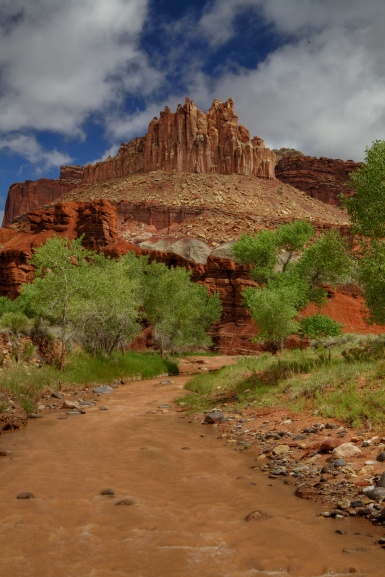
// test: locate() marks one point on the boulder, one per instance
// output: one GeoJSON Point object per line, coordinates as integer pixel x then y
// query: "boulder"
{"type": "Point", "coordinates": [346, 450]}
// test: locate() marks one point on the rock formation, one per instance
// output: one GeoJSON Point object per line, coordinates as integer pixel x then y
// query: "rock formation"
{"type": "Point", "coordinates": [186, 141]}
{"type": "Point", "coordinates": [29, 195]}
{"type": "Point", "coordinates": [190, 141]}
{"type": "Point", "coordinates": [321, 178]}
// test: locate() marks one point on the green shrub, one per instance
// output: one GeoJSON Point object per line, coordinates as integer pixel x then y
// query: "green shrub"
{"type": "Point", "coordinates": [319, 326]}
{"type": "Point", "coordinates": [16, 322]}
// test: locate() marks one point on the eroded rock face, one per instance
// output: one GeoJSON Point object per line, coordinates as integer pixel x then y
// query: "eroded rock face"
{"type": "Point", "coordinates": [98, 221]}
{"type": "Point", "coordinates": [30, 195]}
{"type": "Point", "coordinates": [321, 178]}
{"type": "Point", "coordinates": [190, 140]}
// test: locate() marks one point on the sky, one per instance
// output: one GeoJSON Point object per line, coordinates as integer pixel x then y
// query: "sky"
{"type": "Point", "coordinates": [78, 77]}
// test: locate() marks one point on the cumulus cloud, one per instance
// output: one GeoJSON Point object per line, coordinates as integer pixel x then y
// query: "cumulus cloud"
{"type": "Point", "coordinates": [29, 148]}
{"type": "Point", "coordinates": [323, 90]}
{"type": "Point", "coordinates": [62, 61]}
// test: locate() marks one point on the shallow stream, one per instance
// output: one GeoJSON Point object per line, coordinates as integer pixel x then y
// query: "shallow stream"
{"type": "Point", "coordinates": [190, 492]}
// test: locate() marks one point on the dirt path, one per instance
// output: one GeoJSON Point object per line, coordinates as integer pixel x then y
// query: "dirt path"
{"type": "Point", "coordinates": [189, 497]}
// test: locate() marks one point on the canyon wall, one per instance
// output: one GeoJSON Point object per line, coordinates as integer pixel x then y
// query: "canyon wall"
{"type": "Point", "coordinates": [99, 222]}
{"type": "Point", "coordinates": [321, 178]}
{"type": "Point", "coordinates": [30, 195]}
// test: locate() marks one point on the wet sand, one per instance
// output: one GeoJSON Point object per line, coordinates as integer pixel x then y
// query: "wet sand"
{"type": "Point", "coordinates": [190, 496]}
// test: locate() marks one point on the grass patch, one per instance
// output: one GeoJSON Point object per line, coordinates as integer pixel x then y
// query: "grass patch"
{"type": "Point", "coordinates": [331, 382]}
{"type": "Point", "coordinates": [25, 384]}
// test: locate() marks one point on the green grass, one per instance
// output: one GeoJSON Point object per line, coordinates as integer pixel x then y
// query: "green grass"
{"type": "Point", "coordinates": [26, 384]}
{"type": "Point", "coordinates": [321, 381]}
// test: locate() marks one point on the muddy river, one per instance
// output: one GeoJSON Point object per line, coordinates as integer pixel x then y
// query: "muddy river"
{"type": "Point", "coordinates": [187, 496]}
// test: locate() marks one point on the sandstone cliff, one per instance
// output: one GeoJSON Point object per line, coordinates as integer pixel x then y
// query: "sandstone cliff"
{"type": "Point", "coordinates": [29, 195]}
{"type": "Point", "coordinates": [190, 140]}
{"type": "Point", "coordinates": [321, 178]}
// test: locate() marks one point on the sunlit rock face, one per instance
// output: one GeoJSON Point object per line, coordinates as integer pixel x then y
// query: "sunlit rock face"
{"type": "Point", "coordinates": [190, 140]}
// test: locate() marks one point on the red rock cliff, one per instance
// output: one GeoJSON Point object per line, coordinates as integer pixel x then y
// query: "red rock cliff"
{"type": "Point", "coordinates": [30, 195]}
{"type": "Point", "coordinates": [321, 178]}
{"type": "Point", "coordinates": [190, 141]}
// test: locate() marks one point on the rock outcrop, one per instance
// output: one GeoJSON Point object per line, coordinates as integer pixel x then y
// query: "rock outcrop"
{"type": "Point", "coordinates": [190, 140]}
{"type": "Point", "coordinates": [321, 178]}
{"type": "Point", "coordinates": [99, 221]}
{"type": "Point", "coordinates": [30, 195]}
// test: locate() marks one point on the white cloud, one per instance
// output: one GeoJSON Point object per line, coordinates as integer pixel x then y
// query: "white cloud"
{"type": "Point", "coordinates": [31, 150]}
{"type": "Point", "coordinates": [61, 61]}
{"type": "Point", "coordinates": [323, 90]}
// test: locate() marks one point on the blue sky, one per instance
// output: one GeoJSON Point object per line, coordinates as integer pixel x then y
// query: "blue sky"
{"type": "Point", "coordinates": [77, 77]}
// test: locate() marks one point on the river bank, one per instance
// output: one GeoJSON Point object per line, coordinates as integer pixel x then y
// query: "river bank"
{"type": "Point", "coordinates": [189, 505]}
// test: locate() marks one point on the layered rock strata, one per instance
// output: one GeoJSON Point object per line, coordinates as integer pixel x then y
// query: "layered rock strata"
{"type": "Point", "coordinates": [190, 140]}
{"type": "Point", "coordinates": [30, 195]}
{"type": "Point", "coordinates": [321, 178]}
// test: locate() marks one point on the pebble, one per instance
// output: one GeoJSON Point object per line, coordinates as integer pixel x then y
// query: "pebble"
{"type": "Point", "coordinates": [166, 382]}
{"type": "Point", "coordinates": [70, 404]}
{"type": "Point", "coordinates": [126, 501]}
{"type": "Point", "coordinates": [381, 482]}
{"type": "Point", "coordinates": [381, 457]}
{"type": "Point", "coordinates": [74, 412]}
{"type": "Point", "coordinates": [103, 408]}
{"type": "Point", "coordinates": [56, 395]}
{"type": "Point", "coordinates": [377, 494]}
{"type": "Point", "coordinates": [328, 468]}
{"type": "Point", "coordinates": [25, 495]}
{"type": "Point", "coordinates": [339, 463]}
{"type": "Point", "coordinates": [108, 491]}
{"type": "Point", "coordinates": [103, 390]}
{"type": "Point", "coordinates": [257, 516]}
{"type": "Point", "coordinates": [35, 416]}
{"type": "Point", "coordinates": [329, 445]}
{"type": "Point", "coordinates": [214, 417]}
{"type": "Point", "coordinates": [281, 449]}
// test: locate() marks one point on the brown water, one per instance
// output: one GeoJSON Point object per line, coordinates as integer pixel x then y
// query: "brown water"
{"type": "Point", "coordinates": [191, 495]}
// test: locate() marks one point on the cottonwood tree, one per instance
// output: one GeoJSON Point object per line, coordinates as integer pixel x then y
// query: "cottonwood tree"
{"type": "Point", "coordinates": [291, 272]}
{"type": "Point", "coordinates": [59, 266]}
{"type": "Point", "coordinates": [106, 312]}
{"type": "Point", "coordinates": [179, 310]}
{"type": "Point", "coordinates": [366, 209]}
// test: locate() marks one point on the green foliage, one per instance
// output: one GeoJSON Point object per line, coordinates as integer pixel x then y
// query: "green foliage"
{"type": "Point", "coordinates": [6, 305]}
{"type": "Point", "coordinates": [367, 206]}
{"type": "Point", "coordinates": [371, 274]}
{"type": "Point", "coordinates": [60, 264]}
{"type": "Point", "coordinates": [27, 384]}
{"type": "Point", "coordinates": [179, 310]}
{"type": "Point", "coordinates": [16, 322]}
{"type": "Point", "coordinates": [273, 311]}
{"type": "Point", "coordinates": [299, 381]}
{"type": "Point", "coordinates": [326, 261]}
{"type": "Point", "coordinates": [260, 251]}
{"type": "Point", "coordinates": [292, 238]}
{"type": "Point", "coordinates": [365, 351]}
{"type": "Point", "coordinates": [107, 318]}
{"type": "Point", "coordinates": [287, 284]}
{"type": "Point", "coordinates": [319, 326]}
